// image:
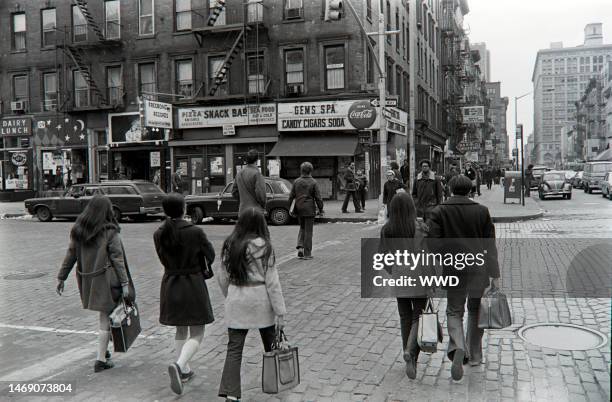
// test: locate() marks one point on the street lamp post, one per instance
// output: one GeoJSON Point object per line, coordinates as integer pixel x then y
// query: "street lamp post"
{"type": "Point", "coordinates": [516, 132]}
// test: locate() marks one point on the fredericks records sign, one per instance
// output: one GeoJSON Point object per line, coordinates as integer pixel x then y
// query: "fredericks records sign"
{"type": "Point", "coordinates": [326, 116]}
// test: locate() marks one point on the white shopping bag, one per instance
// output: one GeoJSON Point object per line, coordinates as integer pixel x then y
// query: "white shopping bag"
{"type": "Point", "coordinates": [382, 215]}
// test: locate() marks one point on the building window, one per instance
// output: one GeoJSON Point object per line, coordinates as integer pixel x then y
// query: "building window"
{"type": "Point", "coordinates": [294, 71]}
{"type": "Point", "coordinates": [20, 88]}
{"type": "Point", "coordinates": [49, 91]}
{"type": "Point", "coordinates": [388, 21]}
{"type": "Point", "coordinates": [147, 83]}
{"type": "Point", "coordinates": [370, 67]}
{"type": "Point", "coordinates": [19, 31]}
{"type": "Point", "coordinates": [215, 64]}
{"type": "Point", "coordinates": [184, 77]}
{"type": "Point", "coordinates": [79, 25]}
{"type": "Point", "coordinates": [389, 77]}
{"type": "Point", "coordinates": [369, 9]}
{"type": "Point", "coordinates": [183, 15]}
{"type": "Point", "coordinates": [81, 90]}
{"type": "Point", "coordinates": [146, 17]}
{"type": "Point", "coordinates": [398, 85]}
{"type": "Point", "coordinates": [112, 19]}
{"type": "Point", "coordinates": [294, 9]}
{"type": "Point", "coordinates": [212, 5]}
{"type": "Point", "coordinates": [114, 85]}
{"type": "Point", "coordinates": [255, 11]}
{"type": "Point", "coordinates": [397, 26]}
{"type": "Point", "coordinates": [334, 67]}
{"type": "Point", "coordinates": [255, 67]}
{"type": "Point", "coordinates": [48, 27]}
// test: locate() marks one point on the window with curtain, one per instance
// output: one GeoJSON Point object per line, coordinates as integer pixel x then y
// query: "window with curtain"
{"type": "Point", "coordinates": [79, 25]}
{"type": "Point", "coordinates": [112, 19]}
{"type": "Point", "coordinates": [114, 84]}
{"type": "Point", "coordinates": [81, 89]}
{"type": "Point", "coordinates": [48, 27]}
{"type": "Point", "coordinates": [369, 9]}
{"type": "Point", "coordinates": [214, 66]}
{"type": "Point", "coordinates": [146, 78]}
{"type": "Point", "coordinates": [294, 66]}
{"type": "Point", "coordinates": [334, 67]}
{"type": "Point", "coordinates": [19, 31]}
{"type": "Point", "coordinates": [255, 71]}
{"type": "Point", "coordinates": [146, 17]}
{"type": "Point", "coordinates": [184, 77]}
{"type": "Point", "coordinates": [183, 15]}
{"type": "Point", "coordinates": [20, 88]}
{"type": "Point", "coordinates": [50, 96]}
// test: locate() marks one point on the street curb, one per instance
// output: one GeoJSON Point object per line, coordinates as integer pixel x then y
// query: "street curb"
{"type": "Point", "coordinates": [8, 216]}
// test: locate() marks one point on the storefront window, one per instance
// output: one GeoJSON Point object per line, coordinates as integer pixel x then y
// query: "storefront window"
{"type": "Point", "coordinates": [16, 168]}
{"type": "Point", "coordinates": [63, 168]}
{"type": "Point", "coordinates": [202, 168]}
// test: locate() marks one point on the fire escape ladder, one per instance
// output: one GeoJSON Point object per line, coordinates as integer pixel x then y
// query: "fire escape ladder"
{"type": "Point", "coordinates": [229, 59]}
{"type": "Point", "coordinates": [82, 4]}
{"type": "Point", "coordinates": [216, 11]}
{"type": "Point", "coordinates": [76, 57]}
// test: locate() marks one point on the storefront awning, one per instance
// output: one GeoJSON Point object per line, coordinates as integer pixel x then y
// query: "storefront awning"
{"type": "Point", "coordinates": [316, 145]}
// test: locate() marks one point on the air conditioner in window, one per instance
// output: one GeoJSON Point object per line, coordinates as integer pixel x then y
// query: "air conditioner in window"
{"type": "Point", "coordinates": [18, 106]}
{"type": "Point", "coordinates": [292, 13]}
{"type": "Point", "coordinates": [294, 90]}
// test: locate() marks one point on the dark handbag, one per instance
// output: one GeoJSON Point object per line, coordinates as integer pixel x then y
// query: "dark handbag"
{"type": "Point", "coordinates": [494, 310]}
{"type": "Point", "coordinates": [206, 269]}
{"type": "Point", "coordinates": [125, 325]}
{"type": "Point", "coordinates": [281, 367]}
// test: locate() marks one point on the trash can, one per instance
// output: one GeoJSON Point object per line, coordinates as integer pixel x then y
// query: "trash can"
{"type": "Point", "coordinates": [512, 185]}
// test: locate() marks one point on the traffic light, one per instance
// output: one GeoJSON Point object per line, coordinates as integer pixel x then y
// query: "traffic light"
{"type": "Point", "coordinates": [333, 10]}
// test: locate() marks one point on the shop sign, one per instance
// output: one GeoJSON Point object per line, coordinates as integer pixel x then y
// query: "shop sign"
{"type": "Point", "coordinates": [126, 128]}
{"type": "Point", "coordinates": [219, 116]}
{"type": "Point", "coordinates": [465, 146]}
{"type": "Point", "coordinates": [472, 114]}
{"type": "Point", "coordinates": [488, 145]}
{"type": "Point", "coordinates": [157, 114]}
{"type": "Point", "coordinates": [326, 116]}
{"type": "Point", "coordinates": [48, 161]}
{"type": "Point", "coordinates": [155, 159]}
{"type": "Point", "coordinates": [16, 126]}
{"type": "Point", "coordinates": [397, 120]}
{"type": "Point", "coordinates": [229, 129]}
{"type": "Point", "coordinates": [274, 167]}
{"type": "Point", "coordinates": [19, 158]}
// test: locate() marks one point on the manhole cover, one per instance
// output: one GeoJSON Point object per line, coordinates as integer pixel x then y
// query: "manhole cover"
{"type": "Point", "coordinates": [562, 336]}
{"type": "Point", "coordinates": [21, 276]}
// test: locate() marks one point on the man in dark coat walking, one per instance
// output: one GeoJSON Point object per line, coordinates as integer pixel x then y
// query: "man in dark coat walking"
{"type": "Point", "coordinates": [427, 191]}
{"type": "Point", "coordinates": [405, 172]}
{"type": "Point", "coordinates": [305, 192]}
{"type": "Point", "coordinates": [460, 218]}
{"type": "Point", "coordinates": [471, 174]}
{"type": "Point", "coordinates": [249, 185]}
{"type": "Point", "coordinates": [351, 189]}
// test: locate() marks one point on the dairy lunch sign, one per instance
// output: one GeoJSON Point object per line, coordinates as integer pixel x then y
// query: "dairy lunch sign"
{"type": "Point", "coordinates": [220, 116]}
{"type": "Point", "coordinates": [325, 116]}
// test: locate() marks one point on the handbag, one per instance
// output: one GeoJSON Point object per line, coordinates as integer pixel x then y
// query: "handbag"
{"type": "Point", "coordinates": [429, 329]}
{"type": "Point", "coordinates": [207, 270]}
{"type": "Point", "coordinates": [494, 310]}
{"type": "Point", "coordinates": [281, 366]}
{"type": "Point", "coordinates": [125, 325]}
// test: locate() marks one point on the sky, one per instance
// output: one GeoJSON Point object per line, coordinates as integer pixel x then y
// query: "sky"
{"type": "Point", "coordinates": [514, 31]}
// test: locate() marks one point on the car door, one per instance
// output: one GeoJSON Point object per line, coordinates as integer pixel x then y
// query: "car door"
{"type": "Point", "coordinates": [70, 204]}
{"type": "Point", "coordinates": [125, 198]}
{"type": "Point", "coordinates": [227, 205]}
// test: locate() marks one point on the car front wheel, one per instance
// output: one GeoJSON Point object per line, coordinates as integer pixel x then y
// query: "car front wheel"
{"type": "Point", "coordinates": [44, 214]}
{"type": "Point", "coordinates": [279, 216]}
{"type": "Point", "coordinates": [196, 215]}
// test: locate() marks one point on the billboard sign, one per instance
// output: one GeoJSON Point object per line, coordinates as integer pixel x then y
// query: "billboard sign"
{"type": "Point", "coordinates": [157, 114]}
{"type": "Point", "coordinates": [219, 116]}
{"type": "Point", "coordinates": [473, 114]}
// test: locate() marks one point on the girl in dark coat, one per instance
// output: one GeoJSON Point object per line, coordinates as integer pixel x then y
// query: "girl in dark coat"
{"type": "Point", "coordinates": [183, 249]}
{"type": "Point", "coordinates": [102, 277]}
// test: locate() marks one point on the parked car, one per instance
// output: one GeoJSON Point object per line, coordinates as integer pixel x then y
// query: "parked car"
{"type": "Point", "coordinates": [577, 180]}
{"type": "Point", "coordinates": [538, 171]}
{"type": "Point", "coordinates": [135, 198]}
{"type": "Point", "coordinates": [606, 186]}
{"type": "Point", "coordinates": [224, 205]}
{"type": "Point", "coordinates": [554, 183]}
{"type": "Point", "coordinates": [594, 172]}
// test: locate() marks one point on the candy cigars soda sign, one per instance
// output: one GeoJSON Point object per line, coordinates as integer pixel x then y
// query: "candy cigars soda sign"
{"type": "Point", "coordinates": [326, 116]}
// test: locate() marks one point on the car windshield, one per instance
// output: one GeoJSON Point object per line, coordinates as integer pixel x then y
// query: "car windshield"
{"type": "Point", "coordinates": [569, 174]}
{"type": "Point", "coordinates": [554, 176]}
{"type": "Point", "coordinates": [147, 188]}
{"type": "Point", "coordinates": [281, 186]}
{"type": "Point", "coordinates": [602, 167]}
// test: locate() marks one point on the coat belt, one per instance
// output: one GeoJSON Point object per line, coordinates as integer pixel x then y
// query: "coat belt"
{"type": "Point", "coordinates": [184, 272]}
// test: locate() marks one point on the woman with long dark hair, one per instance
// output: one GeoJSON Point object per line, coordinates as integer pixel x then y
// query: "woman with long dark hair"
{"type": "Point", "coordinates": [402, 224]}
{"type": "Point", "coordinates": [186, 254]}
{"type": "Point", "coordinates": [102, 275]}
{"type": "Point", "coordinates": [253, 295]}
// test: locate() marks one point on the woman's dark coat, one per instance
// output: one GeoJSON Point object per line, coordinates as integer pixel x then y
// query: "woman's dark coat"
{"type": "Point", "coordinates": [184, 295]}
{"type": "Point", "coordinates": [390, 189]}
{"type": "Point", "coordinates": [305, 192]}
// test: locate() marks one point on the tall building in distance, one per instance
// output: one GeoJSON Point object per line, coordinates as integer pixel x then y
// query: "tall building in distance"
{"type": "Point", "coordinates": [485, 60]}
{"type": "Point", "coordinates": [560, 78]}
{"type": "Point", "coordinates": [498, 107]}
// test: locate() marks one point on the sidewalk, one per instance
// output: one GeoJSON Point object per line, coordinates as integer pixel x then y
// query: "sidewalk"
{"type": "Point", "coordinates": [12, 209]}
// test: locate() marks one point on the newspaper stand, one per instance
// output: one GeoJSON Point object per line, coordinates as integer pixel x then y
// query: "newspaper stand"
{"type": "Point", "coordinates": [512, 185]}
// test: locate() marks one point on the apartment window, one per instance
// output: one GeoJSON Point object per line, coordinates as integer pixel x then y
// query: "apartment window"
{"type": "Point", "coordinates": [334, 67]}
{"type": "Point", "coordinates": [112, 19]}
{"type": "Point", "coordinates": [388, 21]}
{"type": "Point", "coordinates": [404, 36]}
{"type": "Point", "coordinates": [81, 90]}
{"type": "Point", "coordinates": [294, 9]}
{"type": "Point", "coordinates": [370, 67]}
{"type": "Point", "coordinates": [390, 77]}
{"type": "Point", "coordinates": [294, 70]}
{"type": "Point", "coordinates": [398, 85]}
{"type": "Point", "coordinates": [79, 25]}
{"type": "Point", "coordinates": [184, 77]}
{"type": "Point", "coordinates": [49, 91]}
{"type": "Point", "coordinates": [182, 18]}
{"type": "Point", "coordinates": [146, 78]}
{"type": "Point", "coordinates": [48, 27]}
{"type": "Point", "coordinates": [255, 11]}
{"type": "Point", "coordinates": [146, 17]}
{"type": "Point", "coordinates": [255, 72]}
{"type": "Point", "coordinates": [114, 85]}
{"type": "Point", "coordinates": [212, 5]}
{"type": "Point", "coordinates": [397, 26]}
{"type": "Point", "coordinates": [215, 64]}
{"type": "Point", "coordinates": [369, 9]}
{"type": "Point", "coordinates": [20, 88]}
{"type": "Point", "coordinates": [19, 31]}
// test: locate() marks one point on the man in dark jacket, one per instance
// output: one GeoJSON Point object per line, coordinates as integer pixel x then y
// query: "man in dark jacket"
{"type": "Point", "coordinates": [177, 182]}
{"type": "Point", "coordinates": [351, 188]}
{"type": "Point", "coordinates": [250, 186]}
{"type": "Point", "coordinates": [305, 192]}
{"type": "Point", "coordinates": [405, 172]}
{"type": "Point", "coordinates": [392, 185]}
{"type": "Point", "coordinates": [469, 228]}
{"type": "Point", "coordinates": [471, 174]}
{"type": "Point", "coordinates": [488, 177]}
{"type": "Point", "coordinates": [529, 178]}
{"type": "Point", "coordinates": [427, 191]}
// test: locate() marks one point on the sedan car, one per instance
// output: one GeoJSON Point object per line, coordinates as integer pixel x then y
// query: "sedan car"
{"type": "Point", "coordinates": [135, 198]}
{"type": "Point", "coordinates": [606, 186]}
{"type": "Point", "coordinates": [224, 205]}
{"type": "Point", "coordinates": [577, 180]}
{"type": "Point", "coordinates": [554, 184]}
{"type": "Point", "coordinates": [537, 172]}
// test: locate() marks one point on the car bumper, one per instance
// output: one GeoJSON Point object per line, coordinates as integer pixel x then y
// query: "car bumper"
{"type": "Point", "coordinates": [151, 210]}
{"type": "Point", "coordinates": [556, 192]}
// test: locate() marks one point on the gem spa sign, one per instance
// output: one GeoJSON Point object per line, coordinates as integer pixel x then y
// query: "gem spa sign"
{"type": "Point", "coordinates": [325, 116]}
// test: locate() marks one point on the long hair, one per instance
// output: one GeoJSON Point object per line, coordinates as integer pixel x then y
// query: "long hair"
{"type": "Point", "coordinates": [402, 217]}
{"type": "Point", "coordinates": [251, 225]}
{"type": "Point", "coordinates": [174, 207]}
{"type": "Point", "coordinates": [97, 217]}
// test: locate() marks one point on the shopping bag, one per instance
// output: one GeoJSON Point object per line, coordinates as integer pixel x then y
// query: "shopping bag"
{"type": "Point", "coordinates": [428, 334]}
{"type": "Point", "coordinates": [494, 310]}
{"type": "Point", "coordinates": [382, 215]}
{"type": "Point", "coordinates": [125, 325]}
{"type": "Point", "coordinates": [292, 211]}
{"type": "Point", "coordinates": [281, 367]}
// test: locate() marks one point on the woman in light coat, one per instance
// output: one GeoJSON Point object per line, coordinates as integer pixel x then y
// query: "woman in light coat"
{"type": "Point", "coordinates": [253, 295]}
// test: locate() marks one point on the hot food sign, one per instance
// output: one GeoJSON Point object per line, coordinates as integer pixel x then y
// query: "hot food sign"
{"type": "Point", "coordinates": [326, 116]}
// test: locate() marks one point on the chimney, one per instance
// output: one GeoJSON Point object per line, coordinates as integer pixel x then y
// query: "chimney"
{"type": "Point", "coordinates": [593, 34]}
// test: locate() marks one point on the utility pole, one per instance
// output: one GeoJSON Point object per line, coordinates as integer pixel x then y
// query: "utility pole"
{"type": "Point", "coordinates": [412, 89]}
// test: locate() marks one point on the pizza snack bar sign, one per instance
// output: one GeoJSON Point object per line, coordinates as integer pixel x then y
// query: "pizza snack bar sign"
{"type": "Point", "coordinates": [325, 116]}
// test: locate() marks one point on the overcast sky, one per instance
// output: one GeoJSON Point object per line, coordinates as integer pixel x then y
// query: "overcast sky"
{"type": "Point", "coordinates": [515, 30]}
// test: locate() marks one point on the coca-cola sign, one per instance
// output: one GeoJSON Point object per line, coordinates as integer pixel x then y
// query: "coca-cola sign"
{"type": "Point", "coordinates": [362, 115]}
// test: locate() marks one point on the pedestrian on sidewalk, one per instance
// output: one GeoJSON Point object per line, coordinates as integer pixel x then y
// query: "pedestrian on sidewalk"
{"type": "Point", "coordinates": [451, 173]}
{"type": "Point", "coordinates": [461, 218]}
{"type": "Point", "coordinates": [249, 186]}
{"type": "Point", "coordinates": [351, 185]}
{"type": "Point", "coordinates": [253, 296]}
{"type": "Point", "coordinates": [185, 252]}
{"type": "Point", "coordinates": [392, 186]}
{"type": "Point", "coordinates": [405, 172]}
{"type": "Point", "coordinates": [488, 178]}
{"type": "Point", "coordinates": [396, 169]}
{"type": "Point", "coordinates": [471, 174]}
{"type": "Point", "coordinates": [529, 178]}
{"type": "Point", "coordinates": [478, 179]}
{"type": "Point", "coordinates": [362, 190]}
{"type": "Point", "coordinates": [305, 192]}
{"type": "Point", "coordinates": [177, 181]}
{"type": "Point", "coordinates": [102, 274]}
{"type": "Point", "coordinates": [402, 224]}
{"type": "Point", "coordinates": [427, 191]}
